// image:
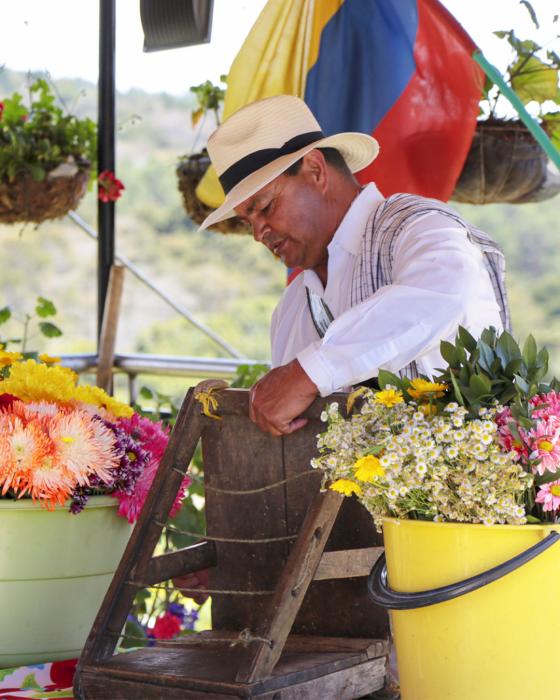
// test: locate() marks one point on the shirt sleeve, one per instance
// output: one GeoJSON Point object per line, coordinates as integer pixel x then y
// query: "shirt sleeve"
{"type": "Point", "coordinates": [438, 276]}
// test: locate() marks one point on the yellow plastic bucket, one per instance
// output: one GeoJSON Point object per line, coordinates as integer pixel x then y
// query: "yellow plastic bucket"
{"type": "Point", "coordinates": [489, 639]}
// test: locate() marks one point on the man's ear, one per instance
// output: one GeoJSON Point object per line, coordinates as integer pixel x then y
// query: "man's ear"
{"type": "Point", "coordinates": [314, 166]}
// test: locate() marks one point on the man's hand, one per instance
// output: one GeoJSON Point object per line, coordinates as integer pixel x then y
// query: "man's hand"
{"type": "Point", "coordinates": [280, 397]}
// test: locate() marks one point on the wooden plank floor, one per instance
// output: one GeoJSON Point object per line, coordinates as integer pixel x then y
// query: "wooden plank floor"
{"type": "Point", "coordinates": [208, 672]}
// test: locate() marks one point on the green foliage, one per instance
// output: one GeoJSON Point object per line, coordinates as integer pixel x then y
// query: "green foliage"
{"type": "Point", "coordinates": [493, 369]}
{"type": "Point", "coordinates": [247, 375]}
{"type": "Point", "coordinates": [43, 309]}
{"type": "Point", "coordinates": [38, 138]}
{"type": "Point", "coordinates": [490, 370]}
{"type": "Point", "coordinates": [532, 74]}
{"type": "Point", "coordinates": [209, 97]}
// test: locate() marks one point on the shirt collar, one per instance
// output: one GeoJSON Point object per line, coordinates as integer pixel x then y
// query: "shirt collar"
{"type": "Point", "coordinates": [350, 232]}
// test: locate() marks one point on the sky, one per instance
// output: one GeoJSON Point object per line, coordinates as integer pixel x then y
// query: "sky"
{"type": "Point", "coordinates": [61, 37]}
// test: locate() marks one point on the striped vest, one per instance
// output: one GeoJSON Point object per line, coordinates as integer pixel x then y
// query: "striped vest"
{"type": "Point", "coordinates": [374, 265]}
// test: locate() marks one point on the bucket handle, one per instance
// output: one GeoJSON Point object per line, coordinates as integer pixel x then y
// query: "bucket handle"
{"type": "Point", "coordinates": [384, 596]}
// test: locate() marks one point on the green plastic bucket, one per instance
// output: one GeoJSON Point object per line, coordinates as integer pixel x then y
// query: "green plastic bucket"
{"type": "Point", "coordinates": [55, 568]}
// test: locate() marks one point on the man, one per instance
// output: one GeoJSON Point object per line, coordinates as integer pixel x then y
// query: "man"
{"type": "Point", "coordinates": [384, 281]}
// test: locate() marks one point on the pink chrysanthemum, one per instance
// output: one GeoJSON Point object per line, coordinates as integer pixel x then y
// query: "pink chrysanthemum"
{"type": "Point", "coordinates": [507, 440]}
{"type": "Point", "coordinates": [545, 444]}
{"type": "Point", "coordinates": [549, 496]}
{"type": "Point", "coordinates": [546, 405]}
{"type": "Point", "coordinates": [153, 437]}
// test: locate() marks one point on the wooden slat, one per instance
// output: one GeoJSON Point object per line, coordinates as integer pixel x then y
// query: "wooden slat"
{"type": "Point", "coordinates": [349, 563]}
{"type": "Point", "coordinates": [235, 402]}
{"type": "Point", "coordinates": [108, 336]}
{"type": "Point", "coordinates": [296, 643]}
{"type": "Point", "coordinates": [238, 456]}
{"type": "Point", "coordinates": [344, 683]}
{"type": "Point", "coordinates": [201, 555]}
{"type": "Point", "coordinates": [291, 589]}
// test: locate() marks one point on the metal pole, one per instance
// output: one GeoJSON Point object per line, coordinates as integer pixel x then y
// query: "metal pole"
{"type": "Point", "coordinates": [105, 148]}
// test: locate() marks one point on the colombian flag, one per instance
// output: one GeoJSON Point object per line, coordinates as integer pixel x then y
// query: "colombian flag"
{"type": "Point", "coordinates": [401, 70]}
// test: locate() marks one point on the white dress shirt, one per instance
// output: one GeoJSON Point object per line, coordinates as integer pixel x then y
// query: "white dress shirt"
{"type": "Point", "coordinates": [439, 282]}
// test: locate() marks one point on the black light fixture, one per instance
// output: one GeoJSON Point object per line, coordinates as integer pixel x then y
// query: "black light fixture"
{"type": "Point", "coordinates": [170, 24]}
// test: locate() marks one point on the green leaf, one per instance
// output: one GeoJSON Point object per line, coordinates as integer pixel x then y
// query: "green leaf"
{"type": "Point", "coordinates": [507, 349]}
{"type": "Point", "coordinates": [486, 356]}
{"type": "Point", "coordinates": [532, 520]}
{"type": "Point", "coordinates": [384, 378]}
{"type": "Point", "coordinates": [488, 336]}
{"type": "Point", "coordinates": [37, 172]}
{"type": "Point", "coordinates": [480, 385]}
{"type": "Point", "coordinates": [522, 384]}
{"type": "Point", "coordinates": [532, 79]}
{"type": "Point", "coordinates": [530, 351]}
{"type": "Point", "coordinates": [546, 478]}
{"type": "Point", "coordinates": [135, 632]}
{"type": "Point", "coordinates": [466, 338]}
{"type": "Point", "coordinates": [45, 307]}
{"type": "Point", "coordinates": [448, 353]}
{"type": "Point", "coordinates": [5, 314]}
{"type": "Point", "coordinates": [49, 329]}
{"type": "Point", "coordinates": [513, 366]}
{"type": "Point", "coordinates": [456, 389]}
{"type": "Point", "coordinates": [531, 12]}
{"type": "Point", "coordinates": [146, 393]}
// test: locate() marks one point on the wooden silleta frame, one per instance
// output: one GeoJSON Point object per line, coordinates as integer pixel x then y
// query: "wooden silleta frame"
{"type": "Point", "coordinates": [291, 616]}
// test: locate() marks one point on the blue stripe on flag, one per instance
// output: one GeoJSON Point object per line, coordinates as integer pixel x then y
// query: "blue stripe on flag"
{"type": "Point", "coordinates": [365, 62]}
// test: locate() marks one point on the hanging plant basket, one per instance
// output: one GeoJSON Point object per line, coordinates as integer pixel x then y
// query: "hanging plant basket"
{"type": "Point", "coordinates": [504, 164]}
{"type": "Point", "coordinates": [189, 173]}
{"type": "Point", "coordinates": [28, 200]}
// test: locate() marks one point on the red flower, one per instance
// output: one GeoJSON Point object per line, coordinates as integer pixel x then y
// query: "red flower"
{"type": "Point", "coordinates": [1, 109]}
{"type": "Point", "coordinates": [167, 626]}
{"type": "Point", "coordinates": [109, 187]}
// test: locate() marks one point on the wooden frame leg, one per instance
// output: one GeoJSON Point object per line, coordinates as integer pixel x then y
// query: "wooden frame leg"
{"type": "Point", "coordinates": [292, 587]}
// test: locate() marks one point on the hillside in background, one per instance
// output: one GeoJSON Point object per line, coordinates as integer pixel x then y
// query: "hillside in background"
{"type": "Point", "coordinates": [229, 282]}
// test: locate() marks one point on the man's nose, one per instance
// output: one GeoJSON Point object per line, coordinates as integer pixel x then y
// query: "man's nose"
{"type": "Point", "coordinates": [260, 228]}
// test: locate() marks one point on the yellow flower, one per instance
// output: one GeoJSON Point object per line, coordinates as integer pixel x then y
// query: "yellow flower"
{"type": "Point", "coordinates": [368, 468]}
{"type": "Point", "coordinates": [389, 397]}
{"type": "Point", "coordinates": [346, 487]}
{"type": "Point", "coordinates": [423, 389]}
{"type": "Point", "coordinates": [8, 358]}
{"type": "Point", "coordinates": [97, 397]}
{"type": "Point", "coordinates": [48, 359]}
{"type": "Point", "coordinates": [34, 381]}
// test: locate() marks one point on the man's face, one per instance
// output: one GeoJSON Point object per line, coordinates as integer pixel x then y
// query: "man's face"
{"type": "Point", "coordinates": [288, 216]}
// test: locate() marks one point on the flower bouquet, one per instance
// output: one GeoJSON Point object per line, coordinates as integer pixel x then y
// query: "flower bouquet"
{"type": "Point", "coordinates": [462, 473]}
{"type": "Point", "coordinates": [62, 442]}
{"type": "Point", "coordinates": [478, 444]}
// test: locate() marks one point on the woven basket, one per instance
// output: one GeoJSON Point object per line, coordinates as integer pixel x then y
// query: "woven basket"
{"type": "Point", "coordinates": [25, 199]}
{"type": "Point", "coordinates": [189, 173]}
{"type": "Point", "coordinates": [504, 164]}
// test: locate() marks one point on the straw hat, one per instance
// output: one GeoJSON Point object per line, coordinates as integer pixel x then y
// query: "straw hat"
{"type": "Point", "coordinates": [262, 140]}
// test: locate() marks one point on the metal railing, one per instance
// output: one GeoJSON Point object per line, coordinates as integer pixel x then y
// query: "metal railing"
{"type": "Point", "coordinates": [135, 365]}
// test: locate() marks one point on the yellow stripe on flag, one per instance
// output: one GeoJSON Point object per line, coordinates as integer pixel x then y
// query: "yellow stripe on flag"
{"type": "Point", "coordinates": [272, 61]}
{"type": "Point", "coordinates": [322, 13]}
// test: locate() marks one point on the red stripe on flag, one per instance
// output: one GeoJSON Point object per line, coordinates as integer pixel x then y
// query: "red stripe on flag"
{"type": "Point", "coordinates": [426, 135]}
